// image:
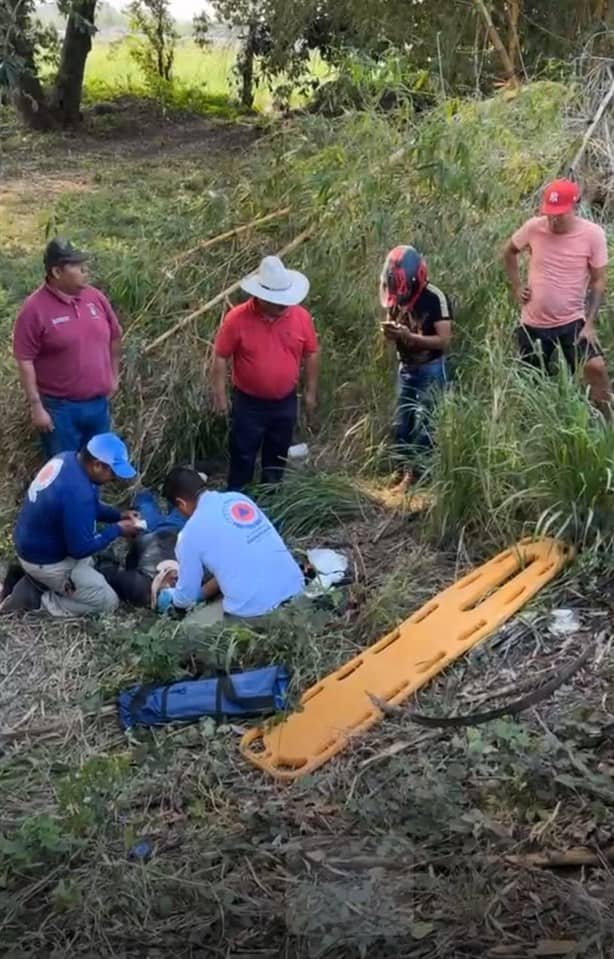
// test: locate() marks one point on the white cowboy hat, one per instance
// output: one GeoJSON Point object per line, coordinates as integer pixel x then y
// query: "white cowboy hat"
{"type": "Point", "coordinates": [273, 283]}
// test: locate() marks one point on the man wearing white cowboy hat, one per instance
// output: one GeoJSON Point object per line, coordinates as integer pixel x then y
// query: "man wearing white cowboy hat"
{"type": "Point", "coordinates": [268, 338]}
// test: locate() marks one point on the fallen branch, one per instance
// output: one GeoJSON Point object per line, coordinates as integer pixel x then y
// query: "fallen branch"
{"type": "Point", "coordinates": [292, 245]}
{"type": "Point", "coordinates": [204, 245]}
{"type": "Point", "coordinates": [220, 296]}
{"type": "Point", "coordinates": [578, 856]}
{"type": "Point", "coordinates": [510, 709]}
{"type": "Point", "coordinates": [593, 126]}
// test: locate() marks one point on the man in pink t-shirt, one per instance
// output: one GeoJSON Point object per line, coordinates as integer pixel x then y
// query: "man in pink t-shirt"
{"type": "Point", "coordinates": [67, 345]}
{"type": "Point", "coordinates": [567, 279]}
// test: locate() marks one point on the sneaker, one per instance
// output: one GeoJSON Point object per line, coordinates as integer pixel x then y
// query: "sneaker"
{"type": "Point", "coordinates": [24, 598]}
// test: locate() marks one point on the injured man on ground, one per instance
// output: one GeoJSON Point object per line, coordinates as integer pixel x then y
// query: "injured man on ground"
{"type": "Point", "coordinates": [212, 555]}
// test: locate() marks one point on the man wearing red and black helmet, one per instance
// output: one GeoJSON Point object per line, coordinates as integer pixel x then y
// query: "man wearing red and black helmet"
{"type": "Point", "coordinates": [566, 282]}
{"type": "Point", "coordinates": [419, 323]}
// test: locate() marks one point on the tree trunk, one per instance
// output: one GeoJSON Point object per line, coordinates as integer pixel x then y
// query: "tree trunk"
{"type": "Point", "coordinates": [66, 97]}
{"type": "Point", "coordinates": [30, 104]}
{"type": "Point", "coordinates": [246, 68]}
{"type": "Point", "coordinates": [513, 41]}
{"type": "Point", "coordinates": [497, 42]}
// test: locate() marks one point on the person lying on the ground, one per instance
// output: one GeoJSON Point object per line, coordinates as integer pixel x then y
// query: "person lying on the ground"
{"type": "Point", "coordinates": [227, 536]}
{"type": "Point", "coordinates": [151, 552]}
{"type": "Point", "coordinates": [55, 535]}
{"type": "Point", "coordinates": [567, 279]}
{"type": "Point", "coordinates": [419, 323]}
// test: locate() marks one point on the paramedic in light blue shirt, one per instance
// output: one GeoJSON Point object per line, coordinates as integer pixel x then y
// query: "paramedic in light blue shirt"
{"type": "Point", "coordinates": [229, 538]}
{"type": "Point", "coordinates": [55, 534]}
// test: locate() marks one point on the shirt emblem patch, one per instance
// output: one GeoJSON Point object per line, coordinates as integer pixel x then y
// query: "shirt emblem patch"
{"type": "Point", "coordinates": [44, 478]}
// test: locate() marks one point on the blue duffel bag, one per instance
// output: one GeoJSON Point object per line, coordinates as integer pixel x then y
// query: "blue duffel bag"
{"type": "Point", "coordinates": [255, 692]}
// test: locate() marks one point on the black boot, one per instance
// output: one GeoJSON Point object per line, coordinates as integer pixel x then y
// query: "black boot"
{"type": "Point", "coordinates": [25, 597]}
{"type": "Point", "coordinates": [13, 574]}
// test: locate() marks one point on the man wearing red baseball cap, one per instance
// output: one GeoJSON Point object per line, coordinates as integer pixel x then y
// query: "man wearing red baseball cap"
{"type": "Point", "coordinates": [567, 278]}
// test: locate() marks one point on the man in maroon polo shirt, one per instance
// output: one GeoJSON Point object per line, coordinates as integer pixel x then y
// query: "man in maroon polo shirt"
{"type": "Point", "coordinates": [67, 344]}
{"type": "Point", "coordinates": [268, 338]}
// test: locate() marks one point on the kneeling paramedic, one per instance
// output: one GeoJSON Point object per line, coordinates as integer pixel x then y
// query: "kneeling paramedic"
{"type": "Point", "coordinates": [419, 323]}
{"type": "Point", "coordinates": [55, 535]}
{"type": "Point", "coordinates": [229, 544]}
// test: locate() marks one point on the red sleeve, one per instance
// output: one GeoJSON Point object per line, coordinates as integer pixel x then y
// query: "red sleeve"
{"type": "Point", "coordinates": [27, 334]}
{"type": "Point", "coordinates": [311, 339]}
{"type": "Point", "coordinates": [116, 330]}
{"type": "Point", "coordinates": [522, 237]}
{"type": "Point", "coordinates": [227, 337]}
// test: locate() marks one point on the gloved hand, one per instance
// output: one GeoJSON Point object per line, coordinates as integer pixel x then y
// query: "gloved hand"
{"type": "Point", "coordinates": [164, 601]}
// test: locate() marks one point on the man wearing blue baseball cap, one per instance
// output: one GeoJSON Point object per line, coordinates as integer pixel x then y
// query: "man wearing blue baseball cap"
{"type": "Point", "coordinates": [55, 534]}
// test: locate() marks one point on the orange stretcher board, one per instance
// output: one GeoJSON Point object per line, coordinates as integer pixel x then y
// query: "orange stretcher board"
{"type": "Point", "coordinates": [338, 707]}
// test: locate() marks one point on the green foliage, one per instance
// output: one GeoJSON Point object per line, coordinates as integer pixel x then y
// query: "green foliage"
{"type": "Point", "coordinates": [89, 797]}
{"type": "Point", "coordinates": [153, 46]}
{"type": "Point", "coordinates": [39, 841]}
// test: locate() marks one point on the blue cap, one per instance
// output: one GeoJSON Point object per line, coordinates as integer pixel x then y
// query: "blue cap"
{"type": "Point", "coordinates": [109, 449]}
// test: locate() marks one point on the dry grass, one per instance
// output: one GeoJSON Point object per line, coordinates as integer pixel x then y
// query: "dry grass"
{"type": "Point", "coordinates": [397, 847]}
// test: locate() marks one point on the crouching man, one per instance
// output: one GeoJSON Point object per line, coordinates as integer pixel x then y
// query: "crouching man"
{"type": "Point", "coordinates": [230, 544]}
{"type": "Point", "coordinates": [55, 535]}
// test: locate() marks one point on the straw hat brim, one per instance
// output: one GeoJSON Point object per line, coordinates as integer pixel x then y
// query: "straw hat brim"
{"type": "Point", "coordinates": [294, 294]}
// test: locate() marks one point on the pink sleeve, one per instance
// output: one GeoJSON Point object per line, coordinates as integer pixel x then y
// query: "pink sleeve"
{"type": "Point", "coordinates": [522, 237]}
{"type": "Point", "coordinates": [599, 250]}
{"type": "Point", "coordinates": [311, 339]}
{"type": "Point", "coordinates": [116, 330]}
{"type": "Point", "coordinates": [227, 337]}
{"type": "Point", "coordinates": [26, 334]}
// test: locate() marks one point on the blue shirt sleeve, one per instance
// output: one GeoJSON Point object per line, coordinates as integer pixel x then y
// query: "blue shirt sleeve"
{"type": "Point", "coordinates": [107, 514]}
{"type": "Point", "coordinates": [80, 535]}
{"type": "Point", "coordinates": [189, 585]}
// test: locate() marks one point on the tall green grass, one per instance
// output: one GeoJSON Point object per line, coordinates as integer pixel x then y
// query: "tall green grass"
{"type": "Point", "coordinates": [512, 450]}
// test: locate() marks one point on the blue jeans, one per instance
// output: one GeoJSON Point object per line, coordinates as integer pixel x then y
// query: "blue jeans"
{"type": "Point", "coordinates": [418, 388]}
{"type": "Point", "coordinates": [75, 422]}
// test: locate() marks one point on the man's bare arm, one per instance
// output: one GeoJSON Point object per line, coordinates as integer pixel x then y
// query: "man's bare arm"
{"type": "Point", "coordinates": [596, 290]}
{"type": "Point", "coordinates": [219, 375]}
{"type": "Point", "coordinates": [40, 417]}
{"type": "Point", "coordinates": [510, 262]}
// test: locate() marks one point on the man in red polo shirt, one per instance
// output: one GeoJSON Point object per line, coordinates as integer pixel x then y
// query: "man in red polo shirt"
{"type": "Point", "coordinates": [567, 278]}
{"type": "Point", "coordinates": [67, 344]}
{"type": "Point", "coordinates": [268, 339]}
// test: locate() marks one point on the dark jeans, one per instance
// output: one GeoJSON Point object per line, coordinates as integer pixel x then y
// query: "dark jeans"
{"type": "Point", "coordinates": [259, 425]}
{"type": "Point", "coordinates": [538, 346]}
{"type": "Point", "coordinates": [418, 388]}
{"type": "Point", "coordinates": [131, 585]}
{"type": "Point", "coordinates": [75, 422]}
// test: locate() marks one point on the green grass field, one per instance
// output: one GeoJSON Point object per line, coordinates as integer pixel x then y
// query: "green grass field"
{"type": "Point", "coordinates": [111, 71]}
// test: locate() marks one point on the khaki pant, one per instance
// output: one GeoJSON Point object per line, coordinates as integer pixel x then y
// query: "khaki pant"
{"type": "Point", "coordinates": [91, 595]}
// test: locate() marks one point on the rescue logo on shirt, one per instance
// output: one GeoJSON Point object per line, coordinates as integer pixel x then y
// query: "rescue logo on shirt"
{"type": "Point", "coordinates": [92, 308]}
{"type": "Point", "coordinates": [242, 513]}
{"type": "Point", "coordinates": [44, 478]}
{"type": "Point", "coordinates": [57, 320]}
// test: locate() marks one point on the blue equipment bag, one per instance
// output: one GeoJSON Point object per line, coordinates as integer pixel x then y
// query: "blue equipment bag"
{"type": "Point", "coordinates": [254, 692]}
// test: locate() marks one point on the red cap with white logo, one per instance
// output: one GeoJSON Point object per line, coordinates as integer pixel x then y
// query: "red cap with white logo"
{"type": "Point", "coordinates": [560, 197]}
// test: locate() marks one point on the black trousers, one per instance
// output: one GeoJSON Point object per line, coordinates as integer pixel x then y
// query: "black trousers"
{"type": "Point", "coordinates": [538, 347]}
{"type": "Point", "coordinates": [259, 426]}
{"type": "Point", "coordinates": [131, 585]}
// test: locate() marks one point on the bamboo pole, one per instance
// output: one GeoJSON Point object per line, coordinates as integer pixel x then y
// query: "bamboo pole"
{"type": "Point", "coordinates": [587, 136]}
{"type": "Point", "coordinates": [204, 245]}
{"type": "Point", "coordinates": [292, 245]}
{"type": "Point", "coordinates": [497, 42]}
{"type": "Point", "coordinates": [206, 307]}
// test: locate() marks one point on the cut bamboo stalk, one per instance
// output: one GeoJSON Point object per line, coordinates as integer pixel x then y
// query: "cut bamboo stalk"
{"type": "Point", "coordinates": [587, 136]}
{"type": "Point", "coordinates": [497, 42]}
{"type": "Point", "coordinates": [206, 307]}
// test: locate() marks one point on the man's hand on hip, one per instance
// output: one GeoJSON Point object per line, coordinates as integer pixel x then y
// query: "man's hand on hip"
{"type": "Point", "coordinates": [522, 295]}
{"type": "Point", "coordinates": [41, 419]}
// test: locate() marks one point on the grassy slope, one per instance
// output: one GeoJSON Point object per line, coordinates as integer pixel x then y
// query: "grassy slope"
{"type": "Point", "coordinates": [241, 866]}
